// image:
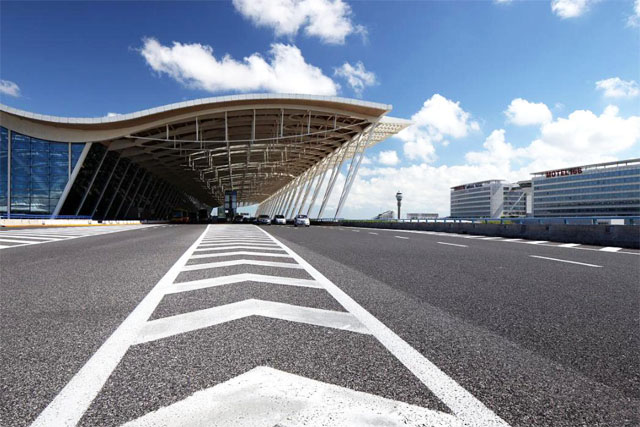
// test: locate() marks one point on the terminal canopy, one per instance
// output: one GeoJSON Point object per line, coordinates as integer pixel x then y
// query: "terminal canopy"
{"type": "Point", "coordinates": [254, 144]}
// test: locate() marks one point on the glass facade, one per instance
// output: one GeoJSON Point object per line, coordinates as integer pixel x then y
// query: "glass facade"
{"type": "Point", "coordinates": [34, 172]}
{"type": "Point", "coordinates": [599, 190]}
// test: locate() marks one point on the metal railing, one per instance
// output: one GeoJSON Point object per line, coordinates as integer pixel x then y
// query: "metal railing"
{"type": "Point", "coordinates": [580, 220]}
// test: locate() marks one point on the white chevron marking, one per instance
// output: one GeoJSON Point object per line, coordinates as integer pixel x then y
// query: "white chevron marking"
{"type": "Point", "coordinates": [237, 278]}
{"type": "Point", "coordinates": [181, 323]}
{"type": "Point", "coordinates": [219, 264]}
{"type": "Point", "coordinates": [240, 253]}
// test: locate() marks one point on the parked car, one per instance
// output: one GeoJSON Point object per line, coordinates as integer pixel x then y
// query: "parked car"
{"type": "Point", "coordinates": [279, 220]}
{"type": "Point", "coordinates": [264, 220]}
{"type": "Point", "coordinates": [301, 220]}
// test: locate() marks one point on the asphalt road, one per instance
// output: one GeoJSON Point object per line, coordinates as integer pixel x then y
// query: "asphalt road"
{"type": "Point", "coordinates": [480, 331]}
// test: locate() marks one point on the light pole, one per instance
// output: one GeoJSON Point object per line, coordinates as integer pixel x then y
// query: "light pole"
{"type": "Point", "coordinates": [399, 199]}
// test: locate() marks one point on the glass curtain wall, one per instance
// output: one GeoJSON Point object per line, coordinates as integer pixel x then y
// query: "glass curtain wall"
{"type": "Point", "coordinates": [37, 171]}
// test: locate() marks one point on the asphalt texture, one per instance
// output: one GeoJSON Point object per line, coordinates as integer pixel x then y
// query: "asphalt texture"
{"type": "Point", "coordinates": [538, 341]}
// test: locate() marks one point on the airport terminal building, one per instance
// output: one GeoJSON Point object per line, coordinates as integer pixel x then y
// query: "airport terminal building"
{"type": "Point", "coordinates": [598, 190]}
{"type": "Point", "coordinates": [276, 151]}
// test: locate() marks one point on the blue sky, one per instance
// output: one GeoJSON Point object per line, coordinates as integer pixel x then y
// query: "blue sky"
{"type": "Point", "coordinates": [455, 67]}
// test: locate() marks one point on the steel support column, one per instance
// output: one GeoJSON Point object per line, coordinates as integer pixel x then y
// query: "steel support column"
{"type": "Point", "coordinates": [333, 179]}
{"type": "Point", "coordinates": [93, 178]}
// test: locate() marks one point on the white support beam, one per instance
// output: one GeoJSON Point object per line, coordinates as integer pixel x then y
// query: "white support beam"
{"type": "Point", "coordinates": [334, 178]}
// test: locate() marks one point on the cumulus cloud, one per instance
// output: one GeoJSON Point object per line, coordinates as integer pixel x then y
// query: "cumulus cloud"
{"type": "Point", "coordinates": [356, 76]}
{"type": "Point", "coordinates": [570, 8]}
{"type": "Point", "coordinates": [329, 20]}
{"type": "Point", "coordinates": [426, 188]}
{"type": "Point", "coordinates": [438, 119]}
{"type": "Point", "coordinates": [522, 112]}
{"type": "Point", "coordinates": [615, 87]}
{"type": "Point", "coordinates": [9, 88]}
{"type": "Point", "coordinates": [388, 158]}
{"type": "Point", "coordinates": [195, 66]}
{"type": "Point", "coordinates": [634, 18]}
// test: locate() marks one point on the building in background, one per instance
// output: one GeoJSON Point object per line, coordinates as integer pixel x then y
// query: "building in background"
{"type": "Point", "coordinates": [385, 215]}
{"type": "Point", "coordinates": [603, 189]}
{"type": "Point", "coordinates": [493, 198]}
{"type": "Point", "coordinates": [422, 216]}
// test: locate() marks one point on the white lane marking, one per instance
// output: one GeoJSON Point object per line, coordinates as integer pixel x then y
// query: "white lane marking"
{"type": "Point", "coordinates": [224, 248]}
{"type": "Point", "coordinates": [234, 262]}
{"type": "Point", "coordinates": [564, 260]}
{"type": "Point", "coordinates": [452, 244]}
{"type": "Point", "coordinates": [536, 242]}
{"type": "Point", "coordinates": [373, 233]}
{"type": "Point", "coordinates": [70, 404]}
{"type": "Point", "coordinates": [356, 231]}
{"type": "Point", "coordinates": [58, 235]}
{"type": "Point", "coordinates": [462, 403]}
{"type": "Point", "coordinates": [29, 242]}
{"type": "Point", "coordinates": [490, 238]}
{"type": "Point", "coordinates": [611, 249]}
{"type": "Point", "coordinates": [265, 396]}
{"type": "Point", "coordinates": [223, 254]}
{"type": "Point", "coordinates": [192, 321]}
{"type": "Point", "coordinates": [400, 237]}
{"type": "Point", "coordinates": [25, 236]}
{"type": "Point", "coordinates": [238, 278]}
{"type": "Point", "coordinates": [465, 236]}
{"type": "Point", "coordinates": [569, 245]}
{"type": "Point", "coordinates": [3, 246]}
{"type": "Point", "coordinates": [239, 242]}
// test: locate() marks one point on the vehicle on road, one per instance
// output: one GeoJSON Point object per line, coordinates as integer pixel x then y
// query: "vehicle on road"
{"type": "Point", "coordinates": [279, 220]}
{"type": "Point", "coordinates": [301, 220]}
{"type": "Point", "coordinates": [264, 220]}
{"type": "Point", "coordinates": [179, 216]}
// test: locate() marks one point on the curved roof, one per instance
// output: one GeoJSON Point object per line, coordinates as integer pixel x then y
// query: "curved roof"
{"type": "Point", "coordinates": [254, 143]}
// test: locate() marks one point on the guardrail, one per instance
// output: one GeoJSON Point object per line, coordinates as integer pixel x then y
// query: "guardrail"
{"type": "Point", "coordinates": [578, 220]}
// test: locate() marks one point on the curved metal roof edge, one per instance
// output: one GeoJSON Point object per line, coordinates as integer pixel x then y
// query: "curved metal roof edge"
{"type": "Point", "coordinates": [194, 102]}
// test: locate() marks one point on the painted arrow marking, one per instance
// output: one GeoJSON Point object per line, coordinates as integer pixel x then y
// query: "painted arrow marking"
{"type": "Point", "coordinates": [187, 322]}
{"type": "Point", "coordinates": [266, 397]}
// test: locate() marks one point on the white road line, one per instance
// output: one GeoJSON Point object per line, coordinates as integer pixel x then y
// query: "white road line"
{"type": "Point", "coordinates": [238, 278]}
{"type": "Point", "coordinates": [611, 249]}
{"type": "Point", "coordinates": [3, 246]}
{"type": "Point", "coordinates": [25, 236]}
{"type": "Point", "coordinates": [181, 323]}
{"type": "Point", "coordinates": [224, 248]}
{"type": "Point", "coordinates": [490, 238]}
{"type": "Point", "coordinates": [462, 403]}
{"type": "Point", "coordinates": [373, 233]}
{"type": "Point", "coordinates": [68, 407]}
{"type": "Point", "coordinates": [239, 242]}
{"type": "Point", "coordinates": [29, 242]}
{"type": "Point", "coordinates": [205, 266]}
{"type": "Point", "coordinates": [400, 237]}
{"type": "Point", "coordinates": [536, 242]}
{"type": "Point", "coordinates": [569, 245]}
{"type": "Point", "coordinates": [564, 260]}
{"type": "Point", "coordinates": [452, 244]}
{"type": "Point", "coordinates": [237, 253]}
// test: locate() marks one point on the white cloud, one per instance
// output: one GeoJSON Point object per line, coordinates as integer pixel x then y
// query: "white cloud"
{"type": "Point", "coordinates": [522, 112]}
{"type": "Point", "coordinates": [113, 114]}
{"type": "Point", "coordinates": [615, 87]}
{"type": "Point", "coordinates": [195, 66]}
{"type": "Point", "coordinates": [570, 8]}
{"type": "Point", "coordinates": [582, 137]}
{"type": "Point", "coordinates": [9, 88]}
{"type": "Point", "coordinates": [634, 18]}
{"type": "Point", "coordinates": [356, 76]}
{"type": "Point", "coordinates": [388, 158]}
{"type": "Point", "coordinates": [502, 1]}
{"type": "Point", "coordinates": [438, 118]}
{"type": "Point", "coordinates": [329, 20]}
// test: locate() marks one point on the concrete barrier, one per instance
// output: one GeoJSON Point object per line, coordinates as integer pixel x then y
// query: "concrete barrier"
{"type": "Point", "coordinates": [623, 236]}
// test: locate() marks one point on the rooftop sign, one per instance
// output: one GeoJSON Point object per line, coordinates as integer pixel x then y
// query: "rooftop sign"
{"type": "Point", "coordinates": [563, 172]}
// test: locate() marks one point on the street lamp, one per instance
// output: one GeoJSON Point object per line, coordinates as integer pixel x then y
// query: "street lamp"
{"type": "Point", "coordinates": [399, 199]}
